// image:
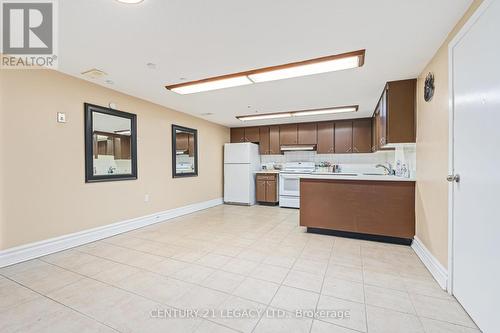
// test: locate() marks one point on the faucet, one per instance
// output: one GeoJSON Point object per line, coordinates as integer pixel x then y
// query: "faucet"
{"type": "Point", "coordinates": [389, 169]}
{"type": "Point", "coordinates": [111, 170]}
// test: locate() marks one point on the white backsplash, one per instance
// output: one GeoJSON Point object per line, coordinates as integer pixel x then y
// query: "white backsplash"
{"type": "Point", "coordinates": [358, 163]}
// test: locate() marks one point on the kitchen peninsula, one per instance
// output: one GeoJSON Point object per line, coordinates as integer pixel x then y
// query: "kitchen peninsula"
{"type": "Point", "coordinates": [370, 207]}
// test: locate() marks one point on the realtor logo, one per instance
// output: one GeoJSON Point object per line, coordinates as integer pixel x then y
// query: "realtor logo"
{"type": "Point", "coordinates": [28, 30]}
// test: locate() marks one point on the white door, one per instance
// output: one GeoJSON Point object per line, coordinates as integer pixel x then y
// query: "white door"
{"type": "Point", "coordinates": [476, 159]}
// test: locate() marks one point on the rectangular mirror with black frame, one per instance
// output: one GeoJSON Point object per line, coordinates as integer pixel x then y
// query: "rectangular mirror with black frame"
{"type": "Point", "coordinates": [110, 144]}
{"type": "Point", "coordinates": [184, 152]}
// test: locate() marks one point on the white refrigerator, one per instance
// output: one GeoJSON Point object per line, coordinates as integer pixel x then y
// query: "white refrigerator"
{"type": "Point", "coordinates": [241, 161]}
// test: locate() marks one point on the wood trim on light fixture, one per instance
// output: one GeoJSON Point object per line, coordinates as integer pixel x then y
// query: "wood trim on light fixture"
{"type": "Point", "coordinates": [292, 113]}
{"type": "Point", "coordinates": [360, 54]}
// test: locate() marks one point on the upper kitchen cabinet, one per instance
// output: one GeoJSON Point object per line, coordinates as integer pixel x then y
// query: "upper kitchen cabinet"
{"type": "Point", "coordinates": [343, 137]}
{"type": "Point", "coordinates": [307, 134]}
{"type": "Point", "coordinates": [375, 136]}
{"type": "Point", "coordinates": [245, 134]}
{"type": "Point", "coordinates": [252, 134]}
{"type": "Point", "coordinates": [269, 143]}
{"type": "Point", "coordinates": [288, 134]}
{"type": "Point", "coordinates": [326, 132]}
{"type": "Point", "coordinates": [362, 135]}
{"type": "Point", "coordinates": [264, 140]}
{"type": "Point", "coordinates": [274, 140]}
{"type": "Point", "coordinates": [237, 134]}
{"type": "Point", "coordinates": [396, 113]}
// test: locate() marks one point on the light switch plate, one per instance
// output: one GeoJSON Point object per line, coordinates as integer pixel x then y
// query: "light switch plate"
{"type": "Point", "coordinates": [61, 117]}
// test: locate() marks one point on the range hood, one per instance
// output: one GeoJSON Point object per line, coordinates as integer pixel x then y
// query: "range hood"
{"type": "Point", "coordinates": [298, 147]}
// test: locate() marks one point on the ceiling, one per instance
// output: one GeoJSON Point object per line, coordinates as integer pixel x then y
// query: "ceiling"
{"type": "Point", "coordinates": [191, 40]}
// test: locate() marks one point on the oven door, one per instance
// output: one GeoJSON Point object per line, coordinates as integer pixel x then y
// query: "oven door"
{"type": "Point", "coordinates": [290, 185]}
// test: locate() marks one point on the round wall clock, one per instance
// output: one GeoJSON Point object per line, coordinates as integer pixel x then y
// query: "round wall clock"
{"type": "Point", "coordinates": [429, 87]}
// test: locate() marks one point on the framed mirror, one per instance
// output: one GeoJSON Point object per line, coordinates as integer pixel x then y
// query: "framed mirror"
{"type": "Point", "coordinates": [184, 152]}
{"type": "Point", "coordinates": [110, 144]}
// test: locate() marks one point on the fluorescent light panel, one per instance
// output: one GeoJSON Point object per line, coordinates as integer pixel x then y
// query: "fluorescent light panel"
{"type": "Point", "coordinates": [303, 68]}
{"type": "Point", "coordinates": [325, 111]}
{"type": "Point", "coordinates": [212, 85]}
{"type": "Point", "coordinates": [266, 116]}
{"type": "Point", "coordinates": [130, 1]}
{"type": "Point", "coordinates": [302, 113]}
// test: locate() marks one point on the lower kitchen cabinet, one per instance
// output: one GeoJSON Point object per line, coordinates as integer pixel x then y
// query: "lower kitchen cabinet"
{"type": "Point", "coordinates": [267, 188]}
{"type": "Point", "coordinates": [368, 209]}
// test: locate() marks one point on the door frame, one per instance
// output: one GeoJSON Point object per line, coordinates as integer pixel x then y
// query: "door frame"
{"type": "Point", "coordinates": [451, 135]}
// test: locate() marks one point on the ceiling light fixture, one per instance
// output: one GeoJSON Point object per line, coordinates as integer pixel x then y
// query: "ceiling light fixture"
{"type": "Point", "coordinates": [265, 116]}
{"type": "Point", "coordinates": [203, 85]}
{"type": "Point", "coordinates": [320, 112]}
{"type": "Point", "coordinates": [301, 113]}
{"type": "Point", "coordinates": [130, 1]}
{"type": "Point", "coordinates": [296, 69]}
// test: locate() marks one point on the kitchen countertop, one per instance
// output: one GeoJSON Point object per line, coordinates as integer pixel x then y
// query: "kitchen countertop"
{"type": "Point", "coordinates": [343, 176]}
{"type": "Point", "coordinates": [268, 171]}
{"type": "Point", "coordinates": [352, 176]}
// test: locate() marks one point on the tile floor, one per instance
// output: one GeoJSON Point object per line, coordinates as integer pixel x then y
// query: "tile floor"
{"type": "Point", "coordinates": [246, 269]}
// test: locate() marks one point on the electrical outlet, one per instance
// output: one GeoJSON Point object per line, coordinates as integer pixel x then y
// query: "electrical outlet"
{"type": "Point", "coordinates": [146, 197]}
{"type": "Point", "coordinates": [61, 117]}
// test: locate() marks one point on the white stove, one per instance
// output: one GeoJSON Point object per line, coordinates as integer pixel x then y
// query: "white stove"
{"type": "Point", "coordinates": [290, 182]}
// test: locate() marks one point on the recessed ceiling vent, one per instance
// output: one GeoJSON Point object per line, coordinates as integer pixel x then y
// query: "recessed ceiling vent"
{"type": "Point", "coordinates": [94, 74]}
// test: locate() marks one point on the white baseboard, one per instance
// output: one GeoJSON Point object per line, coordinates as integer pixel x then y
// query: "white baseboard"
{"type": "Point", "coordinates": [34, 250]}
{"type": "Point", "coordinates": [433, 265]}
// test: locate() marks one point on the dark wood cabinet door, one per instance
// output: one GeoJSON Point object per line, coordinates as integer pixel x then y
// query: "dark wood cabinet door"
{"type": "Point", "coordinates": [252, 134]}
{"type": "Point", "coordinates": [237, 134]}
{"type": "Point", "coordinates": [264, 140]}
{"type": "Point", "coordinates": [307, 134]}
{"type": "Point", "coordinates": [400, 111]}
{"type": "Point", "coordinates": [271, 194]}
{"type": "Point", "coordinates": [326, 138]}
{"type": "Point", "coordinates": [288, 134]}
{"type": "Point", "coordinates": [274, 140]}
{"type": "Point", "coordinates": [343, 137]}
{"type": "Point", "coordinates": [182, 142]}
{"type": "Point", "coordinates": [373, 207]}
{"type": "Point", "coordinates": [362, 135]}
{"type": "Point", "coordinates": [191, 149]}
{"type": "Point", "coordinates": [382, 125]}
{"type": "Point", "coordinates": [260, 191]}
{"type": "Point", "coordinates": [375, 131]}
